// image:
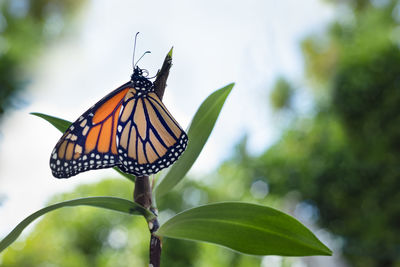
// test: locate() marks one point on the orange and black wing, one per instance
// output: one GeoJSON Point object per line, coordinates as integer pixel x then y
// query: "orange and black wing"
{"type": "Point", "coordinates": [148, 137]}
{"type": "Point", "coordinates": [90, 142]}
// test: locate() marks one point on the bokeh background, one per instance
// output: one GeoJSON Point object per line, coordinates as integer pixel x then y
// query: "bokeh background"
{"type": "Point", "coordinates": [312, 126]}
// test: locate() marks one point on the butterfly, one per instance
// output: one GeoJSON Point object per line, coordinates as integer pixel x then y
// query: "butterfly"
{"type": "Point", "coordinates": [129, 128]}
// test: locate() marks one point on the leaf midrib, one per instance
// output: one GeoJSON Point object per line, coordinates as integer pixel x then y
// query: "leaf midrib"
{"type": "Point", "coordinates": [188, 220]}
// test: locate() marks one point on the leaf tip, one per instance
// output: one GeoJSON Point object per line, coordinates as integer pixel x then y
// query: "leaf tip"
{"type": "Point", "coordinates": [230, 86]}
{"type": "Point", "coordinates": [322, 249]}
{"type": "Point", "coordinates": [170, 52]}
{"type": "Point", "coordinates": [326, 251]}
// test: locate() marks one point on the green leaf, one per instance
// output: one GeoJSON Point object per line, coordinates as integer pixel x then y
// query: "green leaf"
{"type": "Point", "coordinates": [247, 228]}
{"type": "Point", "coordinates": [62, 125]}
{"type": "Point", "coordinates": [126, 175]}
{"type": "Point", "coordinates": [112, 203]}
{"type": "Point", "coordinates": [200, 129]}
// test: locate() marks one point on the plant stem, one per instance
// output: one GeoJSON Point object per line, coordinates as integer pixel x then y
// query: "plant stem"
{"type": "Point", "coordinates": [143, 196]}
{"type": "Point", "coordinates": [161, 82]}
{"type": "Point", "coordinates": [143, 189]}
{"type": "Point", "coordinates": [142, 193]}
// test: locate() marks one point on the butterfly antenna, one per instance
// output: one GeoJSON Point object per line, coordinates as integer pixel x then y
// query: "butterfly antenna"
{"type": "Point", "coordinates": [134, 50]}
{"type": "Point", "coordinates": [147, 52]}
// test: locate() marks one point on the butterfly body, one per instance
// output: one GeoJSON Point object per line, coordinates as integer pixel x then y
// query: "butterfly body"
{"type": "Point", "coordinates": [129, 128]}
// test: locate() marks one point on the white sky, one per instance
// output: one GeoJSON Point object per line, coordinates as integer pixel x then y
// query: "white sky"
{"type": "Point", "coordinates": [215, 43]}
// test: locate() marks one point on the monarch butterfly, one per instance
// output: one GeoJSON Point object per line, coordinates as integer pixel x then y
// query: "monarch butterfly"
{"type": "Point", "coordinates": [129, 128]}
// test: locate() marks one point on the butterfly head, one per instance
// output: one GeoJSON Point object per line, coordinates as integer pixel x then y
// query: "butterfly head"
{"type": "Point", "coordinates": [139, 80]}
{"type": "Point", "coordinates": [138, 72]}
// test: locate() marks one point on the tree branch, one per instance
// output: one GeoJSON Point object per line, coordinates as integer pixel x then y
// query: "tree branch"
{"type": "Point", "coordinates": [143, 190]}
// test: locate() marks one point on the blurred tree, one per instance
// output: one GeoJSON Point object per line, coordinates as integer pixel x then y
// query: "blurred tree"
{"type": "Point", "coordinates": [25, 27]}
{"type": "Point", "coordinates": [281, 95]}
{"type": "Point", "coordinates": [345, 160]}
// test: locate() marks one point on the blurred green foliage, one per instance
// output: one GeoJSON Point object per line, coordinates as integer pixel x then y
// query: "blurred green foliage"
{"type": "Point", "coordinates": [345, 160]}
{"type": "Point", "coordinates": [84, 236]}
{"type": "Point", "coordinates": [94, 237]}
{"type": "Point", "coordinates": [26, 26]}
{"type": "Point", "coordinates": [281, 95]}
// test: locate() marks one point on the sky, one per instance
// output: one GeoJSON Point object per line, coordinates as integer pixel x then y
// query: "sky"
{"type": "Point", "coordinates": [215, 43]}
